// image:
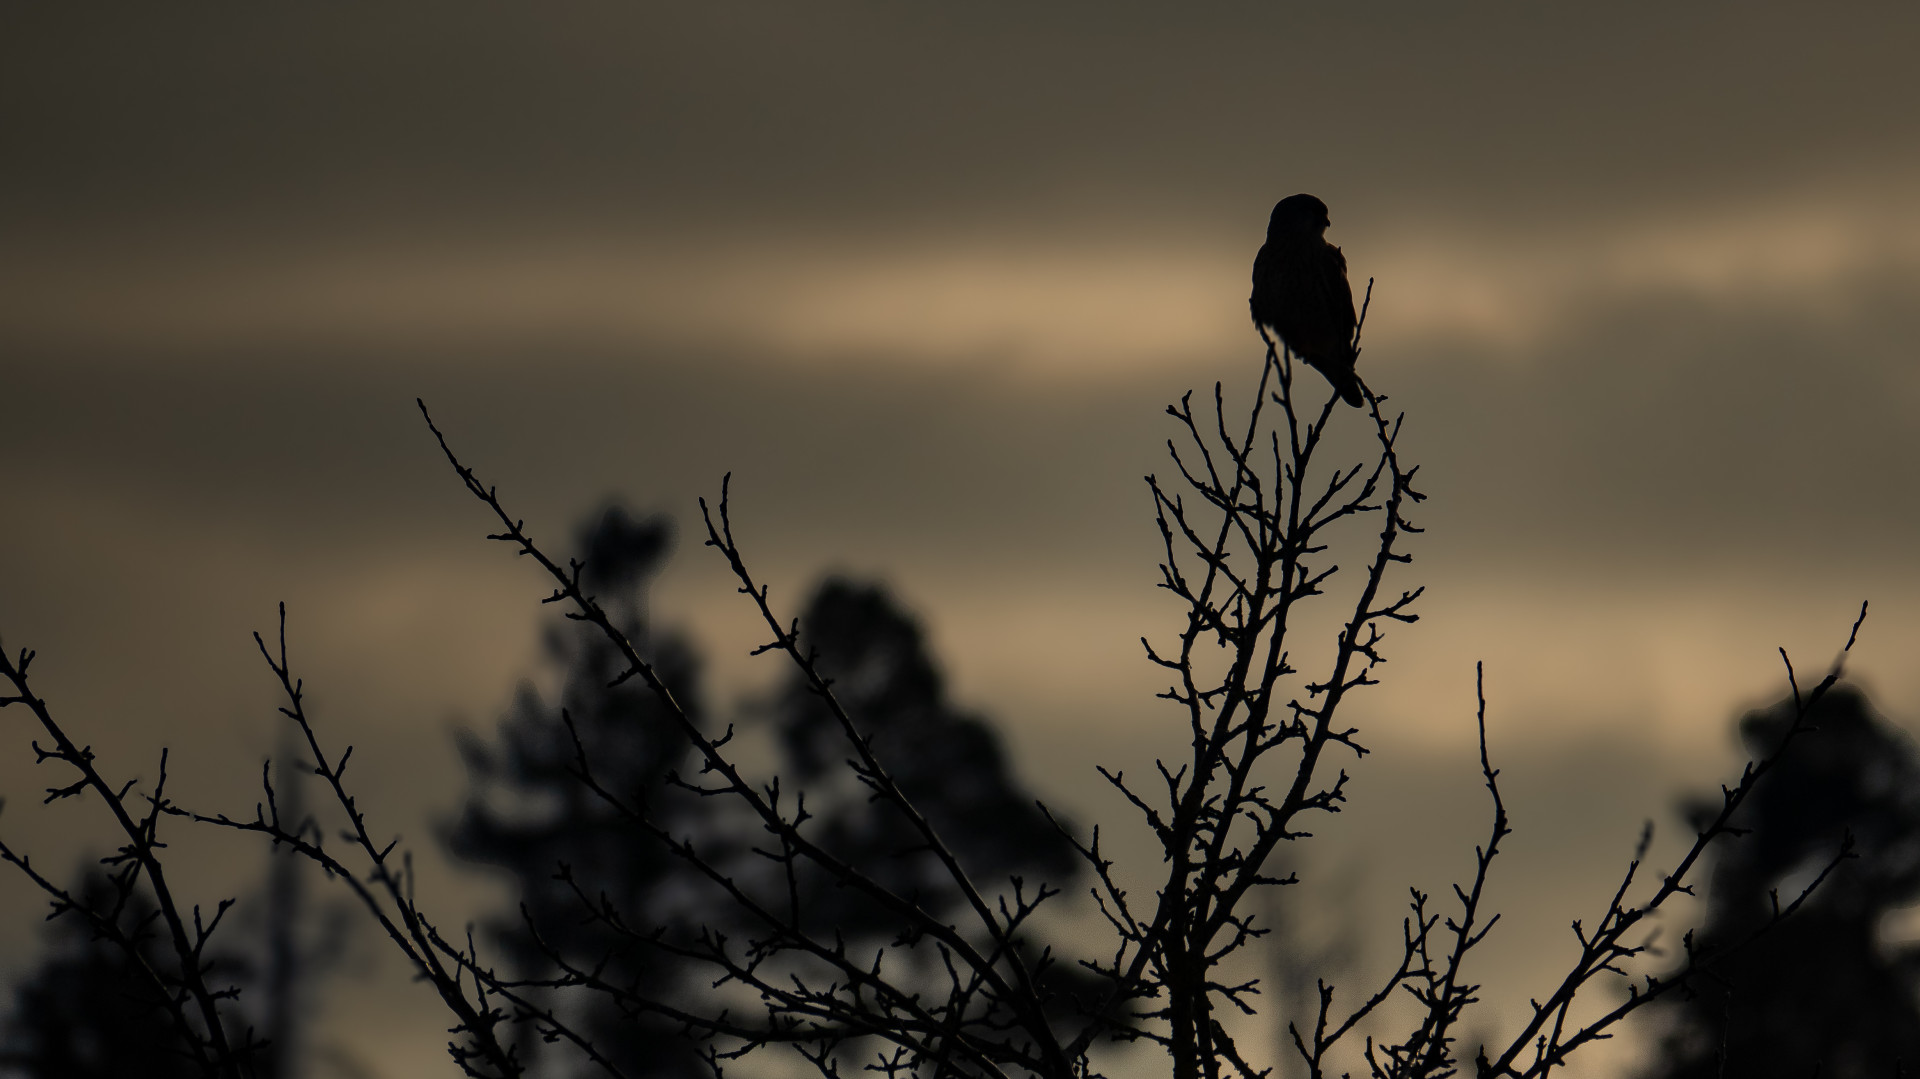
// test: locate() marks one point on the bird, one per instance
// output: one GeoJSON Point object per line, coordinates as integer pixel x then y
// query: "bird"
{"type": "Point", "coordinates": [1300, 289]}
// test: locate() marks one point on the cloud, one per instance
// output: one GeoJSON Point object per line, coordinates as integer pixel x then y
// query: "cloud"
{"type": "Point", "coordinates": [1805, 255]}
{"type": "Point", "coordinates": [1046, 306]}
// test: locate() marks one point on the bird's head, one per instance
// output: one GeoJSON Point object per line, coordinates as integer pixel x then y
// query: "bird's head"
{"type": "Point", "coordinates": [1298, 215]}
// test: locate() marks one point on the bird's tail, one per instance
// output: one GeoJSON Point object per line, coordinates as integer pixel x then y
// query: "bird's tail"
{"type": "Point", "coordinates": [1349, 387]}
{"type": "Point", "coordinates": [1341, 375]}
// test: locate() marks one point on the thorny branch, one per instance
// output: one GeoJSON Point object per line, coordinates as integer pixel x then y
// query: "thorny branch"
{"type": "Point", "coordinates": [181, 988]}
{"type": "Point", "coordinates": [1612, 942]}
{"type": "Point", "coordinates": [384, 887]}
{"type": "Point", "coordinates": [1245, 558]}
{"type": "Point", "coordinates": [1438, 988]}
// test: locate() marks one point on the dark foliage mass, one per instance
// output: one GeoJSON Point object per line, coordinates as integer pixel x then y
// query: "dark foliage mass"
{"type": "Point", "coordinates": [947, 762]}
{"type": "Point", "coordinates": [1821, 993]}
{"type": "Point", "coordinates": [87, 1011]}
{"type": "Point", "coordinates": [93, 1008]}
{"type": "Point", "coordinates": [527, 812]}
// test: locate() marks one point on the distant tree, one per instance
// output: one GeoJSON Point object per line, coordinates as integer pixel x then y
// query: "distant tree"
{"type": "Point", "coordinates": [948, 762]}
{"type": "Point", "coordinates": [527, 812]}
{"type": "Point", "coordinates": [87, 1010]}
{"type": "Point", "coordinates": [89, 1006]}
{"type": "Point", "coordinates": [1820, 993]}
{"type": "Point", "coordinates": [127, 944]}
{"type": "Point", "coordinates": [571, 852]}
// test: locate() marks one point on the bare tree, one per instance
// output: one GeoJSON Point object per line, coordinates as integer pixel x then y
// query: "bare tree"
{"type": "Point", "coordinates": [1280, 548]}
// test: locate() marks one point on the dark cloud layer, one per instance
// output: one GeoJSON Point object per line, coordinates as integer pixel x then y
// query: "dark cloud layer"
{"type": "Point", "coordinates": [865, 115]}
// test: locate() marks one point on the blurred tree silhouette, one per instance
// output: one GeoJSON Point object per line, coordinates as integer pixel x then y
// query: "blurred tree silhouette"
{"type": "Point", "coordinates": [1820, 993]}
{"type": "Point", "coordinates": [949, 763]}
{"type": "Point", "coordinates": [528, 812]}
{"type": "Point", "coordinates": [87, 1011]}
{"type": "Point", "coordinates": [89, 1008]}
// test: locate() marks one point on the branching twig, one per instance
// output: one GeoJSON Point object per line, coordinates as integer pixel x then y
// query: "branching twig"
{"type": "Point", "coordinates": [191, 1003]}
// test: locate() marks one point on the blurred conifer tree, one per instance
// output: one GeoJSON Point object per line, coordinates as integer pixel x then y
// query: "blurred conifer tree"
{"type": "Point", "coordinates": [1824, 992]}
{"type": "Point", "coordinates": [86, 1011]}
{"type": "Point", "coordinates": [527, 813]}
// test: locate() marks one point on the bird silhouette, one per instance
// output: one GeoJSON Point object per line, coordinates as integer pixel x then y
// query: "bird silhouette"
{"type": "Point", "coordinates": [1300, 289]}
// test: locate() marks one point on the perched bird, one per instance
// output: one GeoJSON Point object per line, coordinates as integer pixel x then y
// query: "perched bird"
{"type": "Point", "coordinates": [1300, 289]}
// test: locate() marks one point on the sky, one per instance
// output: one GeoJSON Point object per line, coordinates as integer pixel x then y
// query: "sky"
{"type": "Point", "coordinates": [923, 279]}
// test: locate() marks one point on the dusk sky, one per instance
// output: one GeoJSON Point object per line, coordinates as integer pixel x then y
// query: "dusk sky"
{"type": "Point", "coordinates": [923, 279]}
